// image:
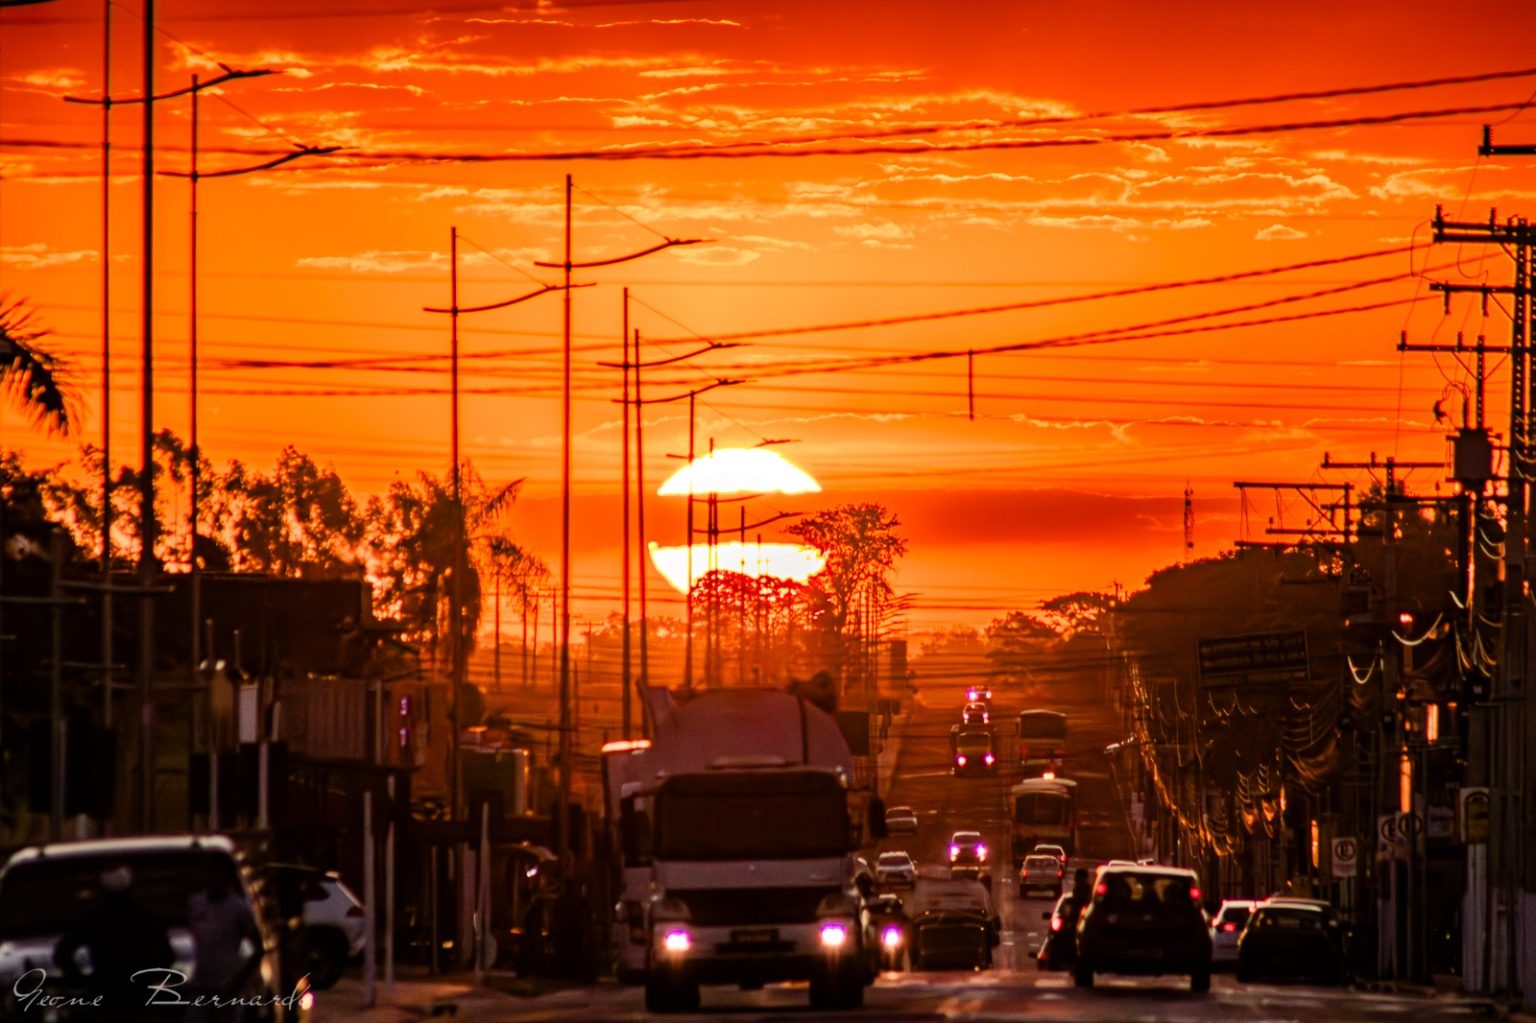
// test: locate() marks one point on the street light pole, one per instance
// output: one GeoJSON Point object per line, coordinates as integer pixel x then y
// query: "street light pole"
{"type": "Point", "coordinates": [146, 665]}
{"type": "Point", "coordinates": [627, 680]}
{"type": "Point", "coordinates": [563, 822]}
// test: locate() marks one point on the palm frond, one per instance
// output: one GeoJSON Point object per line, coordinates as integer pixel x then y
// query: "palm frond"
{"type": "Point", "coordinates": [33, 378]}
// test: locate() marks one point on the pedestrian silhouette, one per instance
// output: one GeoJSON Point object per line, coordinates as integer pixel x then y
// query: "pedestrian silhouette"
{"type": "Point", "coordinates": [226, 943]}
{"type": "Point", "coordinates": [115, 938]}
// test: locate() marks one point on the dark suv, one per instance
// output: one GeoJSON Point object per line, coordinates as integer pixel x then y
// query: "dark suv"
{"type": "Point", "coordinates": [1147, 921]}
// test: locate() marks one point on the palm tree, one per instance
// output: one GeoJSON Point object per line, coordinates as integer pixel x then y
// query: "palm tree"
{"type": "Point", "coordinates": [34, 378]}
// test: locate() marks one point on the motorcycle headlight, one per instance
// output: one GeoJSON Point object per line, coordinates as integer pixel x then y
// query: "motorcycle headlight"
{"type": "Point", "coordinates": [677, 941]}
{"type": "Point", "coordinates": [834, 934]}
{"type": "Point", "coordinates": [891, 937]}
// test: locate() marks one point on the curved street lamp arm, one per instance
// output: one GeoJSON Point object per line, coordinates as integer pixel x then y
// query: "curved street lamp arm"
{"type": "Point", "coordinates": [277, 162]}
{"type": "Point", "coordinates": [754, 525]}
{"type": "Point", "coordinates": [679, 397]}
{"type": "Point", "coordinates": [668, 244]}
{"type": "Point", "coordinates": [230, 74]}
{"type": "Point", "coordinates": [710, 347]}
{"type": "Point", "coordinates": [546, 289]}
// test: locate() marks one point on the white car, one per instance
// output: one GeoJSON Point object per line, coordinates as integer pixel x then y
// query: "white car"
{"type": "Point", "coordinates": [895, 868]}
{"type": "Point", "coordinates": [901, 820]}
{"type": "Point", "coordinates": [333, 919]}
{"type": "Point", "coordinates": [43, 888]}
{"type": "Point", "coordinates": [1226, 927]}
{"type": "Point", "coordinates": [1044, 849]}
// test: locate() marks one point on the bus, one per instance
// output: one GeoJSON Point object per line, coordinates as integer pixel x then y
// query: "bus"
{"type": "Point", "coordinates": [1042, 737]}
{"type": "Point", "coordinates": [1042, 810]}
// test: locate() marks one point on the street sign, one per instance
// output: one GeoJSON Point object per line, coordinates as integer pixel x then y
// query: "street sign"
{"type": "Point", "coordinates": [1393, 831]}
{"type": "Point", "coordinates": [1474, 815]}
{"type": "Point", "coordinates": [1255, 658]}
{"type": "Point", "coordinates": [1346, 857]}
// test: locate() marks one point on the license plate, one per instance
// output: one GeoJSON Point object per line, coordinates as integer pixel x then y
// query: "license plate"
{"type": "Point", "coordinates": [761, 936]}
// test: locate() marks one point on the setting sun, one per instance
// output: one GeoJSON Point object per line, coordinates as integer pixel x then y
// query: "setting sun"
{"type": "Point", "coordinates": [791, 561]}
{"type": "Point", "coordinates": [740, 471]}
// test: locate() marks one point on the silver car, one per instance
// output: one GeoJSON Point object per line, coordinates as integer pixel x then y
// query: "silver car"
{"type": "Point", "coordinates": [895, 868]}
{"type": "Point", "coordinates": [1227, 927]}
{"type": "Point", "coordinates": [1040, 871]}
{"type": "Point", "coordinates": [901, 820]}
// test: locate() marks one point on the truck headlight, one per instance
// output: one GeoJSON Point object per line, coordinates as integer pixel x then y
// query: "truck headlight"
{"type": "Point", "coordinates": [960, 759]}
{"type": "Point", "coordinates": [677, 941]}
{"type": "Point", "coordinates": [833, 934]}
{"type": "Point", "coordinates": [891, 937]}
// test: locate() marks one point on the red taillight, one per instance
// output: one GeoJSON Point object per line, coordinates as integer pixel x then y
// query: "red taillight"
{"type": "Point", "coordinates": [1228, 928]}
{"type": "Point", "coordinates": [1055, 923]}
{"type": "Point", "coordinates": [1194, 894]}
{"type": "Point", "coordinates": [1060, 873]}
{"type": "Point", "coordinates": [1102, 888]}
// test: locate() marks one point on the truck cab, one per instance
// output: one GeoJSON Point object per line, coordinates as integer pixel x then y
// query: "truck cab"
{"type": "Point", "coordinates": [755, 881]}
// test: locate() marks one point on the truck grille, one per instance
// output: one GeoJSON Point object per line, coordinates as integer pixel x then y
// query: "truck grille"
{"type": "Point", "coordinates": [714, 907]}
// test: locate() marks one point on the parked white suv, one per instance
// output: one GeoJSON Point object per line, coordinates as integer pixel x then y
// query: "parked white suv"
{"type": "Point", "coordinates": [333, 919]}
{"type": "Point", "coordinates": [46, 889]}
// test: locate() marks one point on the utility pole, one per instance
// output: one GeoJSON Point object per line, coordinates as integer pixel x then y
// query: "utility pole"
{"type": "Point", "coordinates": [563, 824]}
{"type": "Point", "coordinates": [626, 681]}
{"type": "Point", "coordinates": [106, 364]}
{"type": "Point", "coordinates": [636, 364]}
{"type": "Point", "coordinates": [456, 589]}
{"type": "Point", "coordinates": [1508, 724]}
{"type": "Point", "coordinates": [147, 447]}
{"type": "Point", "coordinates": [457, 666]}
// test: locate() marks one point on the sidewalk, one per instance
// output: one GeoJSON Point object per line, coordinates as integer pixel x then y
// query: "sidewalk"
{"type": "Point", "coordinates": [418, 995]}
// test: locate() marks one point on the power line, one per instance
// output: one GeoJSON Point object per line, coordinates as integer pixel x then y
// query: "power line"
{"type": "Point", "coordinates": [1041, 303]}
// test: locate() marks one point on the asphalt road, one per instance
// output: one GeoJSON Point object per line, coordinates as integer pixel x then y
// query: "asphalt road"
{"type": "Point", "coordinates": [1014, 989]}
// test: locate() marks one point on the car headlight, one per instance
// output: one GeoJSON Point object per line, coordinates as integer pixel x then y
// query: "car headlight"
{"type": "Point", "coordinates": [954, 852]}
{"type": "Point", "coordinates": [677, 941]}
{"type": "Point", "coordinates": [981, 852]}
{"type": "Point", "coordinates": [960, 759]}
{"type": "Point", "coordinates": [834, 934]}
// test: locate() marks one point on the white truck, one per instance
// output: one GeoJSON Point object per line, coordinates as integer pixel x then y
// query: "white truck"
{"type": "Point", "coordinates": [752, 873]}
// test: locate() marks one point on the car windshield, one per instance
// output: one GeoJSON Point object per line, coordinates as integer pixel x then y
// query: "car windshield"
{"type": "Point", "coordinates": [966, 838]}
{"type": "Point", "coordinates": [899, 811]}
{"type": "Point", "coordinates": [894, 859]}
{"type": "Point", "coordinates": [45, 896]}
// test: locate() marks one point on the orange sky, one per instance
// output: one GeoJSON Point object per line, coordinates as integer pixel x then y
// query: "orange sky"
{"type": "Point", "coordinates": [1072, 472]}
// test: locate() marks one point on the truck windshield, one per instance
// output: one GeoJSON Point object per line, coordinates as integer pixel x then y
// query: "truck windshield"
{"type": "Point", "coordinates": [751, 816]}
{"type": "Point", "coordinates": [974, 742]}
{"type": "Point", "coordinates": [1040, 809]}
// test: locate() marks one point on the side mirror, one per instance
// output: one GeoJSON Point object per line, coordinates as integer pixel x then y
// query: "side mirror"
{"type": "Point", "coordinates": [877, 828]}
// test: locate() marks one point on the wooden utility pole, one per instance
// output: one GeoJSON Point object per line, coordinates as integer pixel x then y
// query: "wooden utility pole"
{"type": "Point", "coordinates": [1505, 726]}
